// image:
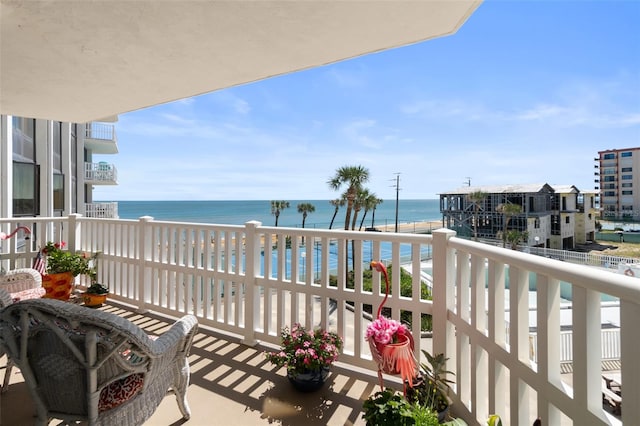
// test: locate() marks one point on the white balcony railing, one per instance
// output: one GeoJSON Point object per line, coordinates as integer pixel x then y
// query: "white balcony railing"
{"type": "Point", "coordinates": [101, 210]}
{"type": "Point", "coordinates": [252, 280]}
{"type": "Point", "coordinates": [100, 173]}
{"type": "Point", "coordinates": [100, 138]}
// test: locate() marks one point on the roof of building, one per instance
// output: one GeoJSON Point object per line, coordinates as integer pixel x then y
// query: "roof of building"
{"type": "Point", "coordinates": [515, 189]}
{"type": "Point", "coordinates": [502, 189]}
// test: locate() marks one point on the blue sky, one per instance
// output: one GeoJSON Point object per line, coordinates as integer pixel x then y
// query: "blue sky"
{"type": "Point", "coordinates": [524, 92]}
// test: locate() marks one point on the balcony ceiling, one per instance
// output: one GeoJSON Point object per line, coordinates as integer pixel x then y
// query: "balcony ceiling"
{"type": "Point", "coordinates": [85, 61]}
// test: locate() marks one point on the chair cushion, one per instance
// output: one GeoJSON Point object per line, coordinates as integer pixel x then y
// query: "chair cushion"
{"type": "Point", "coordinates": [120, 391]}
{"type": "Point", "coordinates": [32, 293]}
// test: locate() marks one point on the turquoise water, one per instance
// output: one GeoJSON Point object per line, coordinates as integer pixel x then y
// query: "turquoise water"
{"type": "Point", "coordinates": [239, 212]}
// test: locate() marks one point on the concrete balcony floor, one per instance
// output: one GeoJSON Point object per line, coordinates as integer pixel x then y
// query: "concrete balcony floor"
{"type": "Point", "coordinates": [230, 384]}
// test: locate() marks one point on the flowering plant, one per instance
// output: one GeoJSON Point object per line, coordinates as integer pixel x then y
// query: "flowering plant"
{"type": "Point", "coordinates": [390, 341]}
{"type": "Point", "coordinates": [303, 350]}
{"type": "Point", "coordinates": [59, 260]}
{"type": "Point", "coordinates": [384, 331]}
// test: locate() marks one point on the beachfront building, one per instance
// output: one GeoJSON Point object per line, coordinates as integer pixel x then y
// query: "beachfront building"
{"type": "Point", "coordinates": [617, 175]}
{"type": "Point", "coordinates": [49, 168]}
{"type": "Point", "coordinates": [553, 216]}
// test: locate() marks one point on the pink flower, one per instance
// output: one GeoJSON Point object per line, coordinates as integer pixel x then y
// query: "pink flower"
{"type": "Point", "coordinates": [385, 331]}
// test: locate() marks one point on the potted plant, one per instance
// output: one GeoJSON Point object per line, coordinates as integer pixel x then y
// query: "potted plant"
{"type": "Point", "coordinates": [390, 341]}
{"type": "Point", "coordinates": [95, 295]}
{"type": "Point", "coordinates": [62, 266]}
{"type": "Point", "coordinates": [431, 387]}
{"type": "Point", "coordinates": [388, 407]}
{"type": "Point", "coordinates": [307, 355]}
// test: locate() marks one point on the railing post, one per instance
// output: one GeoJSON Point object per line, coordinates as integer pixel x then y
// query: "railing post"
{"type": "Point", "coordinates": [630, 353]}
{"type": "Point", "coordinates": [443, 289]}
{"type": "Point", "coordinates": [144, 254]}
{"type": "Point", "coordinates": [252, 269]}
{"type": "Point", "coordinates": [74, 236]}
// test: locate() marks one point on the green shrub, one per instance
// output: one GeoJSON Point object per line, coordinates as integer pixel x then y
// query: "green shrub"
{"type": "Point", "coordinates": [406, 288]}
{"type": "Point", "coordinates": [390, 408]}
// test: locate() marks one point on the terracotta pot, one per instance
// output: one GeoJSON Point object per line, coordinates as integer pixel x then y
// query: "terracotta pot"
{"type": "Point", "coordinates": [392, 351]}
{"type": "Point", "coordinates": [92, 299]}
{"type": "Point", "coordinates": [58, 286]}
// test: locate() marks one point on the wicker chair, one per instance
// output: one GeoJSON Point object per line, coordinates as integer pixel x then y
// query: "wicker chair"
{"type": "Point", "coordinates": [24, 283]}
{"type": "Point", "coordinates": [18, 284]}
{"type": "Point", "coordinates": [91, 366]}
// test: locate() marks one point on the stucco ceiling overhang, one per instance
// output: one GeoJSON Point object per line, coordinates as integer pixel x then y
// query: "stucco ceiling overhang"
{"type": "Point", "coordinates": [83, 61]}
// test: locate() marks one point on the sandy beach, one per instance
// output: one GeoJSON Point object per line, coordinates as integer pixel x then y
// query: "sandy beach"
{"type": "Point", "coordinates": [412, 227]}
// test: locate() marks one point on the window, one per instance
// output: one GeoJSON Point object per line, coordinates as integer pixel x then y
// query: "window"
{"type": "Point", "coordinates": [74, 168]}
{"type": "Point", "coordinates": [58, 192]}
{"type": "Point", "coordinates": [627, 169]}
{"type": "Point", "coordinates": [626, 154]}
{"type": "Point", "coordinates": [627, 185]}
{"type": "Point", "coordinates": [627, 192]}
{"type": "Point", "coordinates": [609, 179]}
{"type": "Point", "coordinates": [25, 189]}
{"type": "Point", "coordinates": [57, 146]}
{"type": "Point", "coordinates": [609, 193]}
{"type": "Point", "coordinates": [24, 132]}
{"type": "Point", "coordinates": [627, 177]}
{"type": "Point", "coordinates": [609, 156]}
{"type": "Point", "coordinates": [567, 219]}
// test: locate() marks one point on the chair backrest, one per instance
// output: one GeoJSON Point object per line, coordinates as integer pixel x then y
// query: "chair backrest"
{"type": "Point", "coordinates": [78, 361]}
{"type": "Point", "coordinates": [17, 280]}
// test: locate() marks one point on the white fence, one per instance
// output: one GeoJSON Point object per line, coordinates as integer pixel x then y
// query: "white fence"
{"type": "Point", "coordinates": [252, 280]}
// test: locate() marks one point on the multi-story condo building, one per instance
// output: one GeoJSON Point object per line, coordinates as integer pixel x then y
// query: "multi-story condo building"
{"type": "Point", "coordinates": [558, 216]}
{"type": "Point", "coordinates": [618, 179]}
{"type": "Point", "coordinates": [49, 168]}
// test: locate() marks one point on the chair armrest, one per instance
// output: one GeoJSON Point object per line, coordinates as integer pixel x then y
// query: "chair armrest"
{"type": "Point", "coordinates": [181, 332]}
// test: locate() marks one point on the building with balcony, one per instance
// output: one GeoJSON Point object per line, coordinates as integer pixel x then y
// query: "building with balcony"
{"type": "Point", "coordinates": [558, 216]}
{"type": "Point", "coordinates": [617, 178]}
{"type": "Point", "coordinates": [51, 167]}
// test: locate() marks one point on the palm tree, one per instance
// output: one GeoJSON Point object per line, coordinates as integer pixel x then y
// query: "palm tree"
{"type": "Point", "coordinates": [277, 206]}
{"type": "Point", "coordinates": [305, 209]}
{"type": "Point", "coordinates": [337, 203]}
{"type": "Point", "coordinates": [508, 210]}
{"type": "Point", "coordinates": [373, 213]}
{"type": "Point", "coordinates": [370, 203]}
{"type": "Point", "coordinates": [359, 204]}
{"type": "Point", "coordinates": [514, 237]}
{"type": "Point", "coordinates": [476, 198]}
{"type": "Point", "coordinates": [353, 177]}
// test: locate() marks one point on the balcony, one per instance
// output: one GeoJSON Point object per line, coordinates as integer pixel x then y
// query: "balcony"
{"type": "Point", "coordinates": [100, 138]}
{"type": "Point", "coordinates": [101, 210]}
{"type": "Point", "coordinates": [505, 345]}
{"type": "Point", "coordinates": [100, 174]}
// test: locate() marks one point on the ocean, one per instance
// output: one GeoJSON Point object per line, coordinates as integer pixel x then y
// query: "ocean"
{"type": "Point", "coordinates": [239, 212]}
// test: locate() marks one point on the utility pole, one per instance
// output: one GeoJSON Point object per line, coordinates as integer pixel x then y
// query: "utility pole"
{"type": "Point", "coordinates": [397, 187]}
{"type": "Point", "coordinates": [468, 181]}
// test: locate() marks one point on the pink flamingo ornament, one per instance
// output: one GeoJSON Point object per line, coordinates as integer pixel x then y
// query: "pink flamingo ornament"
{"type": "Point", "coordinates": [5, 236]}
